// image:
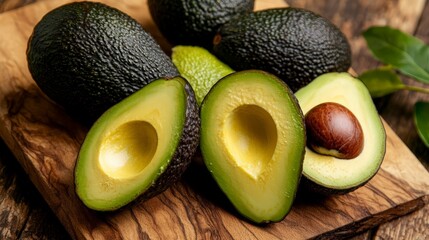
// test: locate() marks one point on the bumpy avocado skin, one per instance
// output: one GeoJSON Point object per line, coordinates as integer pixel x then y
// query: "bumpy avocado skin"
{"type": "Point", "coordinates": [295, 44]}
{"type": "Point", "coordinates": [87, 56]}
{"type": "Point", "coordinates": [194, 22]}
{"type": "Point", "coordinates": [309, 187]}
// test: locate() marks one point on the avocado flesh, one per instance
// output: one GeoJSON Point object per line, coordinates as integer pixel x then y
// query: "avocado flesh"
{"type": "Point", "coordinates": [252, 142]}
{"type": "Point", "coordinates": [132, 145]}
{"type": "Point", "coordinates": [330, 174]}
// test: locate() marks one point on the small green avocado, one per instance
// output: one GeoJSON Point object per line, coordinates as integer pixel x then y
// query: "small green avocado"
{"type": "Point", "coordinates": [345, 136]}
{"type": "Point", "coordinates": [87, 56]}
{"type": "Point", "coordinates": [138, 147]}
{"type": "Point", "coordinates": [294, 44]}
{"type": "Point", "coordinates": [253, 142]}
{"type": "Point", "coordinates": [199, 67]}
{"type": "Point", "coordinates": [194, 22]}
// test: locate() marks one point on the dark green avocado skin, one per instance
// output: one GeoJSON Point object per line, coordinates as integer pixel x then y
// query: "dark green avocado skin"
{"type": "Point", "coordinates": [185, 151]}
{"type": "Point", "coordinates": [295, 44]}
{"type": "Point", "coordinates": [194, 22]}
{"type": "Point", "coordinates": [87, 56]}
{"type": "Point", "coordinates": [311, 188]}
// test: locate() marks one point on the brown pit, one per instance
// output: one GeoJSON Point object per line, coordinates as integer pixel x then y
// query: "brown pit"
{"type": "Point", "coordinates": [333, 130]}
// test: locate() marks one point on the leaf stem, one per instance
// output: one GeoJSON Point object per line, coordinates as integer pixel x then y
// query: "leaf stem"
{"type": "Point", "coordinates": [417, 89]}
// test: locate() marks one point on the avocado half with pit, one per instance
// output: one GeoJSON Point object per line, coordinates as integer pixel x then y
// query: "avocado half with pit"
{"type": "Point", "coordinates": [345, 135]}
{"type": "Point", "coordinates": [139, 147]}
{"type": "Point", "coordinates": [253, 142]}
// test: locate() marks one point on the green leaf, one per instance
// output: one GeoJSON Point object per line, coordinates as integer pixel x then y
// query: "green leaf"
{"type": "Point", "coordinates": [381, 81]}
{"type": "Point", "coordinates": [406, 53]}
{"type": "Point", "coordinates": [421, 119]}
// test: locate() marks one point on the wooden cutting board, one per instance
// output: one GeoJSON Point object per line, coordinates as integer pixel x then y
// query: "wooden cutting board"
{"type": "Point", "coordinates": [46, 141]}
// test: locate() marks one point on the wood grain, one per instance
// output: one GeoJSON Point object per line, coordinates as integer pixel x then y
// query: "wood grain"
{"type": "Point", "coordinates": [353, 17]}
{"type": "Point", "coordinates": [13, 211]}
{"type": "Point", "coordinates": [416, 225]}
{"type": "Point", "coordinates": [45, 141]}
{"type": "Point", "coordinates": [22, 209]}
{"type": "Point", "coordinates": [7, 5]}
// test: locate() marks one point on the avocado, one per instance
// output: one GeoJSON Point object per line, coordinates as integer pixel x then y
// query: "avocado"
{"type": "Point", "coordinates": [294, 44]}
{"type": "Point", "coordinates": [194, 22]}
{"type": "Point", "coordinates": [200, 67]}
{"type": "Point", "coordinates": [87, 56]}
{"type": "Point", "coordinates": [252, 142]}
{"type": "Point", "coordinates": [138, 147]}
{"type": "Point", "coordinates": [340, 170]}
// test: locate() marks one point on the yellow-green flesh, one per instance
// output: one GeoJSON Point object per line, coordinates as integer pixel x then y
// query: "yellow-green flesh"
{"type": "Point", "coordinates": [252, 141]}
{"type": "Point", "coordinates": [130, 145]}
{"type": "Point", "coordinates": [329, 171]}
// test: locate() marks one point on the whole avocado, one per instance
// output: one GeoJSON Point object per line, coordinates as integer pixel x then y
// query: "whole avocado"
{"type": "Point", "coordinates": [87, 56]}
{"type": "Point", "coordinates": [195, 22]}
{"type": "Point", "coordinates": [295, 44]}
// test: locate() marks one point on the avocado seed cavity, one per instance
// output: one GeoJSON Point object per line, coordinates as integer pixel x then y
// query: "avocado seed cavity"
{"type": "Point", "coordinates": [251, 138]}
{"type": "Point", "coordinates": [126, 151]}
{"type": "Point", "coordinates": [334, 130]}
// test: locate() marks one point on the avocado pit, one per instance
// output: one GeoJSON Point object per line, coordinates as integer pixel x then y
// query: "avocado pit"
{"type": "Point", "coordinates": [334, 130]}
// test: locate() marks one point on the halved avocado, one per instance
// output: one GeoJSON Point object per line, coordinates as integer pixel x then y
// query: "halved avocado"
{"type": "Point", "coordinates": [327, 174]}
{"type": "Point", "coordinates": [252, 142]}
{"type": "Point", "coordinates": [139, 147]}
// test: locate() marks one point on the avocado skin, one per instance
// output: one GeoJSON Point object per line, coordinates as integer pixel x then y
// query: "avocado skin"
{"type": "Point", "coordinates": [194, 22]}
{"type": "Point", "coordinates": [295, 44]}
{"type": "Point", "coordinates": [310, 187]}
{"type": "Point", "coordinates": [87, 56]}
{"type": "Point", "coordinates": [185, 151]}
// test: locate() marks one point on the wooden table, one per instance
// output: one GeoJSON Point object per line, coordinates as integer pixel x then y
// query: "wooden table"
{"type": "Point", "coordinates": [24, 214]}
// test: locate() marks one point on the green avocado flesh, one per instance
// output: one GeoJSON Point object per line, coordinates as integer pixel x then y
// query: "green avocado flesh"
{"type": "Point", "coordinates": [252, 142]}
{"type": "Point", "coordinates": [330, 174]}
{"type": "Point", "coordinates": [137, 141]}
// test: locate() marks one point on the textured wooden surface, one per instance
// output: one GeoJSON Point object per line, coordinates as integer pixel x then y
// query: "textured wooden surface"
{"type": "Point", "coordinates": [31, 131]}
